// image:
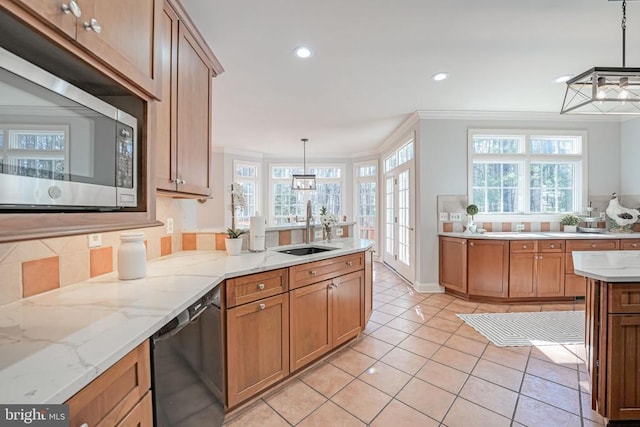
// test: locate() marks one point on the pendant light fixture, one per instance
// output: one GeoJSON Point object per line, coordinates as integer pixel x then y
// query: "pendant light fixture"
{"type": "Point", "coordinates": [605, 90]}
{"type": "Point", "coordinates": [304, 181]}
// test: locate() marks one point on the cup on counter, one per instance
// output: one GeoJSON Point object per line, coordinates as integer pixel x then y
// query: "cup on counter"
{"type": "Point", "coordinates": [132, 256]}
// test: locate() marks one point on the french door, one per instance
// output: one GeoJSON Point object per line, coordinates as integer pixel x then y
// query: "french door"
{"type": "Point", "coordinates": [399, 219]}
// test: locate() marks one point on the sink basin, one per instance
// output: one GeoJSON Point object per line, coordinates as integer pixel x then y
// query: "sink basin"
{"type": "Point", "coordinates": [305, 250]}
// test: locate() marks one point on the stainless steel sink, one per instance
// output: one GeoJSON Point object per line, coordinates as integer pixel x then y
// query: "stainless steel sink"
{"type": "Point", "coordinates": [305, 250]}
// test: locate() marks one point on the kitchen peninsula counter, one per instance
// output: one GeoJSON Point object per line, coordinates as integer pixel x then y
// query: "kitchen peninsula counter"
{"type": "Point", "coordinates": [55, 343]}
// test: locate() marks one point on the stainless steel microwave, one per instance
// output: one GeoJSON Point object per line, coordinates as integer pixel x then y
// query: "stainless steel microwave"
{"type": "Point", "coordinates": [60, 147]}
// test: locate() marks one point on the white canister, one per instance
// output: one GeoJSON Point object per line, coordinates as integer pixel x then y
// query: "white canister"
{"type": "Point", "coordinates": [132, 256]}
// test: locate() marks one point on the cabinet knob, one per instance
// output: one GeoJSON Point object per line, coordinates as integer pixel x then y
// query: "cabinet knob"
{"type": "Point", "coordinates": [92, 25]}
{"type": "Point", "coordinates": [84, 425]}
{"type": "Point", "coordinates": [471, 244]}
{"type": "Point", "coordinates": [313, 272]}
{"type": "Point", "coordinates": [262, 306]}
{"type": "Point", "coordinates": [593, 245]}
{"type": "Point", "coordinates": [552, 246]}
{"type": "Point", "coordinates": [261, 286]}
{"type": "Point", "coordinates": [71, 7]}
{"type": "Point", "coordinates": [350, 263]}
{"type": "Point", "coordinates": [524, 246]}
{"type": "Point", "coordinates": [634, 245]}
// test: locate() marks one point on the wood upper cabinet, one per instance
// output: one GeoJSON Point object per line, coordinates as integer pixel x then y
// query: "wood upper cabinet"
{"type": "Point", "coordinates": [453, 263]}
{"type": "Point", "coordinates": [488, 267]}
{"type": "Point", "coordinates": [536, 268]}
{"type": "Point", "coordinates": [119, 33]}
{"type": "Point", "coordinates": [183, 146]}
{"type": "Point", "coordinates": [257, 346]}
{"type": "Point", "coordinates": [121, 396]}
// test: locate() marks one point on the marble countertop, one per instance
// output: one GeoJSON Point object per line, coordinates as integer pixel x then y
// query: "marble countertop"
{"type": "Point", "coordinates": [55, 343]}
{"type": "Point", "coordinates": [608, 266]}
{"type": "Point", "coordinates": [541, 235]}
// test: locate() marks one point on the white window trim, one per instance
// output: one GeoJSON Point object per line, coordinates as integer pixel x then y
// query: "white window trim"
{"type": "Point", "coordinates": [580, 196]}
{"type": "Point", "coordinates": [257, 181]}
{"type": "Point", "coordinates": [272, 180]}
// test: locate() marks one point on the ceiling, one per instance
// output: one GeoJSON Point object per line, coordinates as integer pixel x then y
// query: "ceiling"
{"type": "Point", "coordinates": [373, 61]}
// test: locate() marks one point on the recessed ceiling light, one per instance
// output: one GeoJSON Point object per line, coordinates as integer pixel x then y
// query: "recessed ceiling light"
{"type": "Point", "coordinates": [303, 52]}
{"type": "Point", "coordinates": [564, 78]}
{"type": "Point", "coordinates": [440, 76]}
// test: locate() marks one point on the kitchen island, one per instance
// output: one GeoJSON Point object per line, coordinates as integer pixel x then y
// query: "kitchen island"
{"type": "Point", "coordinates": [53, 344]}
{"type": "Point", "coordinates": [612, 332]}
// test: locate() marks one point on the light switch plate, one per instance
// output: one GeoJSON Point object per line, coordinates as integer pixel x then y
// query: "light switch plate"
{"type": "Point", "coordinates": [169, 226]}
{"type": "Point", "coordinates": [94, 240]}
{"type": "Point", "coordinates": [444, 216]}
{"type": "Point", "coordinates": [339, 231]}
{"type": "Point", "coordinates": [456, 216]}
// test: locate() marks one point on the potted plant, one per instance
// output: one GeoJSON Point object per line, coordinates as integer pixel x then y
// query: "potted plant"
{"type": "Point", "coordinates": [570, 222]}
{"type": "Point", "coordinates": [233, 243]}
{"type": "Point", "coordinates": [329, 220]}
{"type": "Point", "coordinates": [472, 210]}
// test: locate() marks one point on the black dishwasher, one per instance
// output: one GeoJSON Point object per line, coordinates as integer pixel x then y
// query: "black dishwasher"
{"type": "Point", "coordinates": [187, 367]}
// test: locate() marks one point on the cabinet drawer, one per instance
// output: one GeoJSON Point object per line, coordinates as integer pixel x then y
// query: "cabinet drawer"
{"type": "Point", "coordinates": [624, 298]}
{"type": "Point", "coordinates": [519, 246]}
{"type": "Point", "coordinates": [312, 272]}
{"type": "Point", "coordinates": [630, 244]}
{"type": "Point", "coordinates": [551, 245]}
{"type": "Point", "coordinates": [592, 245]}
{"type": "Point", "coordinates": [109, 398]}
{"type": "Point", "coordinates": [241, 290]}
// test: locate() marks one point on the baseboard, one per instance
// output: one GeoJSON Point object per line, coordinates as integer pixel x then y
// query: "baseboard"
{"type": "Point", "coordinates": [428, 288]}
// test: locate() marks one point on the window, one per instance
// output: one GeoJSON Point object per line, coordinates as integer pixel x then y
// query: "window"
{"type": "Point", "coordinates": [34, 151]}
{"type": "Point", "coordinates": [247, 174]}
{"type": "Point", "coordinates": [399, 157]}
{"type": "Point", "coordinates": [289, 205]}
{"type": "Point", "coordinates": [527, 172]}
{"type": "Point", "coordinates": [366, 199]}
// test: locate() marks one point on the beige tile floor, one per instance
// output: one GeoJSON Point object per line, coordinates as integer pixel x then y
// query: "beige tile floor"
{"type": "Point", "coordinates": [417, 364]}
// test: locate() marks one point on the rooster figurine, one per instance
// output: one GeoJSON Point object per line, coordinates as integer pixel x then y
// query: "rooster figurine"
{"type": "Point", "coordinates": [621, 219]}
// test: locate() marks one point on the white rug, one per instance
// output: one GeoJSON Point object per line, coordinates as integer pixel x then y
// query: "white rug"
{"type": "Point", "coordinates": [536, 328]}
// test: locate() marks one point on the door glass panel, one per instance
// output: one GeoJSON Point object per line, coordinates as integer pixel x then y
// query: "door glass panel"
{"type": "Point", "coordinates": [403, 218]}
{"type": "Point", "coordinates": [389, 220]}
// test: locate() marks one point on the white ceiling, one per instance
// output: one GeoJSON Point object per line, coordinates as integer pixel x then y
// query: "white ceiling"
{"type": "Point", "coordinates": [373, 61]}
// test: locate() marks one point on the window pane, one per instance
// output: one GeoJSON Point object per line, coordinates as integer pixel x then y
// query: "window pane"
{"type": "Point", "coordinates": [556, 145]}
{"type": "Point", "coordinates": [553, 185]}
{"type": "Point", "coordinates": [48, 140]}
{"type": "Point", "coordinates": [510, 200]}
{"type": "Point", "coordinates": [489, 144]}
{"type": "Point", "coordinates": [246, 171]}
{"type": "Point", "coordinates": [495, 187]}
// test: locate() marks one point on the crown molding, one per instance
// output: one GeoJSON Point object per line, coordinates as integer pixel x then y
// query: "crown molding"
{"type": "Point", "coordinates": [518, 115]}
{"type": "Point", "coordinates": [410, 124]}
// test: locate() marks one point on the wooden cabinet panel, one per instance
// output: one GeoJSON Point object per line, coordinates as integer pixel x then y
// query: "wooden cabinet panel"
{"type": "Point", "coordinates": [623, 376]}
{"type": "Point", "coordinates": [574, 285]}
{"type": "Point", "coordinates": [488, 268]}
{"type": "Point", "coordinates": [310, 323]}
{"type": "Point", "coordinates": [312, 272]}
{"type": "Point", "coordinates": [623, 298]}
{"type": "Point", "coordinates": [367, 308]}
{"type": "Point", "coordinates": [587, 245]}
{"type": "Point", "coordinates": [539, 274]}
{"type": "Point", "coordinates": [52, 12]}
{"type": "Point", "coordinates": [550, 274]}
{"type": "Point", "coordinates": [111, 396]}
{"type": "Point", "coordinates": [241, 290]}
{"type": "Point", "coordinates": [141, 415]}
{"type": "Point", "coordinates": [257, 346]}
{"type": "Point", "coordinates": [630, 244]}
{"type": "Point", "coordinates": [551, 245]}
{"type": "Point", "coordinates": [453, 263]}
{"type": "Point", "coordinates": [522, 275]}
{"type": "Point", "coordinates": [347, 295]}
{"type": "Point", "coordinates": [517, 246]}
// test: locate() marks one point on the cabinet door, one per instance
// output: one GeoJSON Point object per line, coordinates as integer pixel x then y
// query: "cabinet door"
{"type": "Point", "coordinates": [522, 275]}
{"type": "Point", "coordinates": [623, 377]}
{"type": "Point", "coordinates": [193, 116]}
{"type": "Point", "coordinates": [574, 285]}
{"type": "Point", "coordinates": [126, 37]}
{"type": "Point", "coordinates": [347, 297]}
{"type": "Point", "coordinates": [166, 130]}
{"type": "Point", "coordinates": [453, 264]}
{"type": "Point", "coordinates": [141, 415]}
{"type": "Point", "coordinates": [257, 347]}
{"type": "Point", "coordinates": [52, 12]}
{"type": "Point", "coordinates": [368, 288]}
{"type": "Point", "coordinates": [310, 323]}
{"type": "Point", "coordinates": [488, 268]}
{"type": "Point", "coordinates": [549, 274]}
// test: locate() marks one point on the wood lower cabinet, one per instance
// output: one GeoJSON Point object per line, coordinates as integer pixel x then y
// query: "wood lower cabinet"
{"type": "Point", "coordinates": [257, 346]}
{"type": "Point", "coordinates": [367, 308]}
{"type": "Point", "coordinates": [453, 263]}
{"type": "Point", "coordinates": [612, 342]}
{"type": "Point", "coordinates": [119, 33]}
{"type": "Point", "coordinates": [183, 146]}
{"type": "Point", "coordinates": [536, 268]}
{"type": "Point", "coordinates": [120, 396]}
{"type": "Point", "coordinates": [577, 285]}
{"type": "Point", "coordinates": [488, 268]}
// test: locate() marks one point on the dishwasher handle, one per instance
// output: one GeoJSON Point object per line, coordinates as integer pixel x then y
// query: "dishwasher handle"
{"type": "Point", "coordinates": [173, 327]}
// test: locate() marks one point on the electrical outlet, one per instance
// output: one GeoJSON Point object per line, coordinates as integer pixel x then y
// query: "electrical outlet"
{"type": "Point", "coordinates": [317, 235]}
{"type": "Point", "coordinates": [169, 226]}
{"type": "Point", "coordinates": [339, 231]}
{"type": "Point", "coordinates": [94, 240]}
{"type": "Point", "coordinates": [444, 216]}
{"type": "Point", "coordinates": [519, 227]}
{"type": "Point", "coordinates": [456, 216]}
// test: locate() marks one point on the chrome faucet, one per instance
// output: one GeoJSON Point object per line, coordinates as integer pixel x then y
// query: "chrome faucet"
{"type": "Point", "coordinates": [308, 224]}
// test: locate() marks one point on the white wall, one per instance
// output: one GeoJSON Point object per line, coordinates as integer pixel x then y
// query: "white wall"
{"type": "Point", "coordinates": [442, 166]}
{"type": "Point", "coordinates": [630, 157]}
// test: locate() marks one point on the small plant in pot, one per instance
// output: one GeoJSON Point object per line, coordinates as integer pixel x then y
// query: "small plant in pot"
{"type": "Point", "coordinates": [472, 210]}
{"type": "Point", "coordinates": [233, 244]}
{"type": "Point", "coordinates": [570, 222]}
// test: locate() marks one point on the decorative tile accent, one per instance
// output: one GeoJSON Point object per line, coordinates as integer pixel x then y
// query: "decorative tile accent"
{"type": "Point", "coordinates": [166, 246]}
{"type": "Point", "coordinates": [100, 261]}
{"type": "Point", "coordinates": [284, 237]}
{"type": "Point", "coordinates": [345, 231]}
{"type": "Point", "coordinates": [545, 226]}
{"type": "Point", "coordinates": [40, 275]}
{"type": "Point", "coordinates": [220, 241]}
{"type": "Point", "coordinates": [506, 226]}
{"type": "Point", "coordinates": [447, 227]}
{"type": "Point", "coordinates": [527, 226]}
{"type": "Point", "coordinates": [487, 226]}
{"type": "Point", "coordinates": [189, 241]}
